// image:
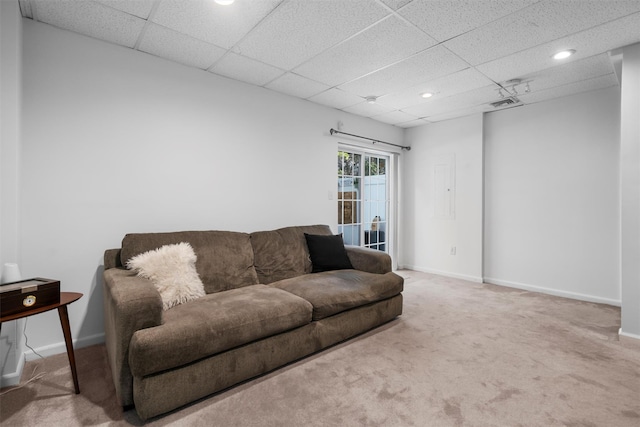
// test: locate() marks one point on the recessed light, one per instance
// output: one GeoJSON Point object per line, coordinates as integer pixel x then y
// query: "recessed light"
{"type": "Point", "coordinates": [564, 54]}
{"type": "Point", "coordinates": [426, 95]}
{"type": "Point", "coordinates": [371, 99]}
{"type": "Point", "coordinates": [224, 2]}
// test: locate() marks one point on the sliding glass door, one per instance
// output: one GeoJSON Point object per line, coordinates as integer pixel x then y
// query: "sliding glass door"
{"type": "Point", "coordinates": [363, 199]}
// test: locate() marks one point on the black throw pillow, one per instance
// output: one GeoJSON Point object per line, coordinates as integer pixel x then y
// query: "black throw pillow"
{"type": "Point", "coordinates": [327, 253]}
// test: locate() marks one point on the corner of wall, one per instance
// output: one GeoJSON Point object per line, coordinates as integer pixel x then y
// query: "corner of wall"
{"type": "Point", "coordinates": [12, 361]}
{"type": "Point", "coordinates": [630, 191]}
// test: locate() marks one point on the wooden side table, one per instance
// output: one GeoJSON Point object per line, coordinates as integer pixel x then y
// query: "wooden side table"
{"type": "Point", "coordinates": [66, 298]}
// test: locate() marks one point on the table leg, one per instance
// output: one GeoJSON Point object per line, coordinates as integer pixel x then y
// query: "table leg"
{"type": "Point", "coordinates": [66, 330]}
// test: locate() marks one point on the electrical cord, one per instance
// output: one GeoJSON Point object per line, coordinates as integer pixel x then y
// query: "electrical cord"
{"type": "Point", "coordinates": [26, 339]}
{"type": "Point", "coordinates": [34, 377]}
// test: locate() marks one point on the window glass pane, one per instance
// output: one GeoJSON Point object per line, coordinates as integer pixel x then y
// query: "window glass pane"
{"type": "Point", "coordinates": [368, 214]}
{"type": "Point", "coordinates": [346, 159]}
{"type": "Point", "coordinates": [355, 187]}
{"type": "Point", "coordinates": [351, 235]}
{"type": "Point", "coordinates": [355, 235]}
{"type": "Point", "coordinates": [381, 211]}
{"type": "Point", "coordinates": [367, 166]}
{"type": "Point", "coordinates": [349, 212]}
{"type": "Point", "coordinates": [357, 159]}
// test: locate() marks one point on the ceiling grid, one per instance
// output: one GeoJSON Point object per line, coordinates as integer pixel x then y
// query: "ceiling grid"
{"type": "Point", "coordinates": [374, 58]}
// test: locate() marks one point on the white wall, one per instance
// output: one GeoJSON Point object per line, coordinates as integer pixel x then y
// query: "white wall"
{"type": "Point", "coordinates": [426, 240]}
{"type": "Point", "coordinates": [552, 196]}
{"type": "Point", "coordinates": [118, 141]}
{"type": "Point", "coordinates": [630, 191]}
{"type": "Point", "coordinates": [10, 77]}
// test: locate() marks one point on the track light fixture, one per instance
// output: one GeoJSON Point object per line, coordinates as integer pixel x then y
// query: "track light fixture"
{"type": "Point", "coordinates": [514, 86]}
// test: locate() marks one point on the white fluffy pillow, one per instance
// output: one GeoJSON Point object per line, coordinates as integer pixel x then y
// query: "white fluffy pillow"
{"type": "Point", "coordinates": [172, 269]}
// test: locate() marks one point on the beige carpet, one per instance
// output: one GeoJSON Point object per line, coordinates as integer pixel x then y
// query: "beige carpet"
{"type": "Point", "coordinates": [462, 354]}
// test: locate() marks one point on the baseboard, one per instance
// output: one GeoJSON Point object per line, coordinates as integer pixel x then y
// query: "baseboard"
{"type": "Point", "coordinates": [476, 279]}
{"type": "Point", "coordinates": [556, 292]}
{"type": "Point", "coordinates": [628, 335]}
{"type": "Point", "coordinates": [13, 378]}
{"type": "Point", "coordinates": [60, 347]}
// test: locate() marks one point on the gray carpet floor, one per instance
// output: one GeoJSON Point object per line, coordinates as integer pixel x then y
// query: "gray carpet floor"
{"type": "Point", "coordinates": [462, 354]}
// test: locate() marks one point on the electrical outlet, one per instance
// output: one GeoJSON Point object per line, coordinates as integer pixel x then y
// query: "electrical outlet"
{"type": "Point", "coordinates": [453, 250]}
{"type": "Point", "coordinates": [330, 195]}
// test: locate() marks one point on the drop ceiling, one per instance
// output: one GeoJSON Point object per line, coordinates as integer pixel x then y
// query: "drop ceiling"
{"type": "Point", "coordinates": [467, 53]}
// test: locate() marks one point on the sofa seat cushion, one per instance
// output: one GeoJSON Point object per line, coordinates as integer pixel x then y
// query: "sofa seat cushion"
{"type": "Point", "coordinates": [213, 324]}
{"type": "Point", "coordinates": [332, 292]}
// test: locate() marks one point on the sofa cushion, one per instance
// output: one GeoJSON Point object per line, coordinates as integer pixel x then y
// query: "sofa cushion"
{"type": "Point", "coordinates": [213, 324]}
{"type": "Point", "coordinates": [332, 292]}
{"type": "Point", "coordinates": [225, 258]}
{"type": "Point", "coordinates": [281, 254]}
{"type": "Point", "coordinates": [327, 253]}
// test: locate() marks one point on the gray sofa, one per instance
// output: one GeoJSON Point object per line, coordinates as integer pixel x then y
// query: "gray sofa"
{"type": "Point", "coordinates": [263, 308]}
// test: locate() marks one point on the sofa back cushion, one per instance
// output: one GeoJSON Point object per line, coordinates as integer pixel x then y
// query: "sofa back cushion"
{"type": "Point", "coordinates": [225, 258]}
{"type": "Point", "coordinates": [282, 254]}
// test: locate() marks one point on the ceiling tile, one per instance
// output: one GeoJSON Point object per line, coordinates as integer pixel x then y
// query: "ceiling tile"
{"type": "Point", "coordinates": [367, 110]}
{"type": "Point", "coordinates": [445, 19]}
{"type": "Point", "coordinates": [245, 69]}
{"type": "Point", "coordinates": [169, 44]}
{"type": "Point", "coordinates": [449, 85]}
{"type": "Point", "coordinates": [336, 98]}
{"type": "Point", "coordinates": [585, 69]}
{"type": "Point", "coordinates": [412, 123]}
{"type": "Point", "coordinates": [428, 65]}
{"type": "Point", "coordinates": [609, 36]}
{"type": "Point", "coordinates": [570, 89]}
{"type": "Point", "coordinates": [467, 99]}
{"type": "Point", "coordinates": [462, 113]}
{"type": "Point", "coordinates": [295, 85]}
{"type": "Point", "coordinates": [396, 4]}
{"type": "Point", "coordinates": [205, 20]}
{"type": "Point", "coordinates": [139, 8]}
{"type": "Point", "coordinates": [388, 41]}
{"type": "Point", "coordinates": [299, 30]}
{"type": "Point", "coordinates": [544, 21]}
{"type": "Point", "coordinates": [91, 19]}
{"type": "Point", "coordinates": [395, 117]}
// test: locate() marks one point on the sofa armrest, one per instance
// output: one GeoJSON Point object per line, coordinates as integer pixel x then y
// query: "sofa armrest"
{"type": "Point", "coordinates": [112, 258]}
{"type": "Point", "coordinates": [131, 303]}
{"type": "Point", "coordinates": [369, 260]}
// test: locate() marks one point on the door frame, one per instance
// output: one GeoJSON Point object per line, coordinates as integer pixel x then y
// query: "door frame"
{"type": "Point", "coordinates": [392, 188]}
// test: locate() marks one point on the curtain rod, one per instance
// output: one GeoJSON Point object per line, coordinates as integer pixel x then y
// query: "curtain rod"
{"type": "Point", "coordinates": [373, 141]}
